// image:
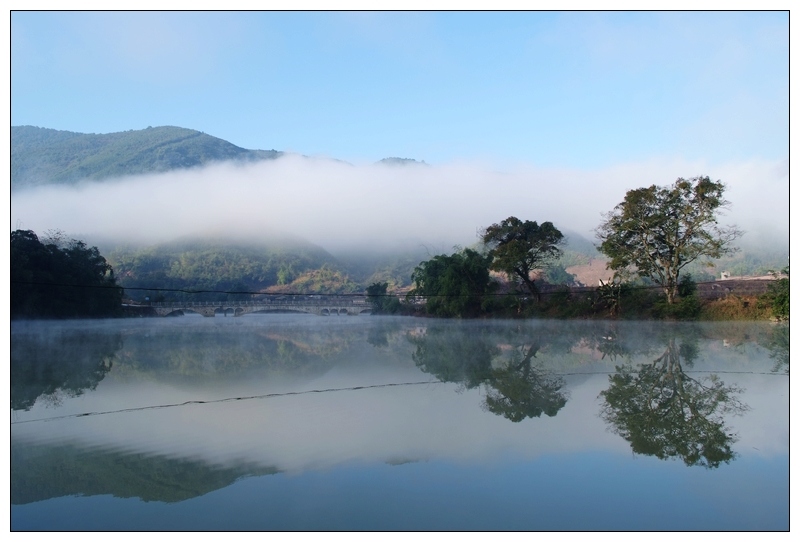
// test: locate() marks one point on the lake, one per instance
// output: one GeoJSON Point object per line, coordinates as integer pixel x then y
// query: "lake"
{"type": "Point", "coordinates": [299, 422]}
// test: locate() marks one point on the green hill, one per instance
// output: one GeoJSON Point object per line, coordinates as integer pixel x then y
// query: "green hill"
{"type": "Point", "coordinates": [41, 156]}
{"type": "Point", "coordinates": [216, 264]}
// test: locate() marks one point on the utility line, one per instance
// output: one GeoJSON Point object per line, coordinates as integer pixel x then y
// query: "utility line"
{"type": "Point", "coordinates": [328, 390]}
{"type": "Point", "coordinates": [226, 400]}
{"type": "Point", "coordinates": [574, 289]}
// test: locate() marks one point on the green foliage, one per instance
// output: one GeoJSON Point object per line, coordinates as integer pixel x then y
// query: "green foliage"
{"type": "Point", "coordinates": [777, 296]}
{"type": "Point", "coordinates": [684, 308]}
{"type": "Point", "coordinates": [687, 286]}
{"type": "Point", "coordinates": [735, 307]}
{"type": "Point", "coordinates": [658, 231]}
{"type": "Point", "coordinates": [324, 280]}
{"type": "Point", "coordinates": [382, 302]}
{"type": "Point", "coordinates": [52, 281]}
{"type": "Point", "coordinates": [453, 286]}
{"type": "Point", "coordinates": [518, 248]}
{"type": "Point", "coordinates": [225, 265]}
{"type": "Point", "coordinates": [557, 274]}
{"type": "Point", "coordinates": [42, 156]}
{"type": "Point", "coordinates": [609, 296]}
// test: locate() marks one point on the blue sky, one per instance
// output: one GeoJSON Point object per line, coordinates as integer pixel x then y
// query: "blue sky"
{"type": "Point", "coordinates": [547, 116]}
{"type": "Point", "coordinates": [547, 89]}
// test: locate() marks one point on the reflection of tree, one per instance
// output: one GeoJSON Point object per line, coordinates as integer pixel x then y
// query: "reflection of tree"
{"type": "Point", "coordinates": [519, 390]}
{"type": "Point", "coordinates": [461, 355]}
{"type": "Point", "coordinates": [378, 336]}
{"type": "Point", "coordinates": [664, 412]}
{"type": "Point", "coordinates": [69, 363]}
{"type": "Point", "coordinates": [779, 348]}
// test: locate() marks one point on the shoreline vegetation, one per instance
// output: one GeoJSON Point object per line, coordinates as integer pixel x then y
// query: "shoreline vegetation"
{"type": "Point", "coordinates": [654, 240]}
{"type": "Point", "coordinates": [743, 300]}
{"type": "Point", "coordinates": [56, 278]}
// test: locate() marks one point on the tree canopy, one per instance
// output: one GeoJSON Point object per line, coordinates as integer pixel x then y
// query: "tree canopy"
{"type": "Point", "coordinates": [518, 248]}
{"type": "Point", "coordinates": [382, 302]}
{"type": "Point", "coordinates": [54, 281]}
{"type": "Point", "coordinates": [453, 285]}
{"type": "Point", "coordinates": [658, 231]}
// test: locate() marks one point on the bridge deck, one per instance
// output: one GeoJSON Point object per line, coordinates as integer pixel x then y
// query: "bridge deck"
{"type": "Point", "coordinates": [321, 305]}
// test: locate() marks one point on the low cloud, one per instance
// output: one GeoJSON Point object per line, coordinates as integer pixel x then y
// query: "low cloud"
{"type": "Point", "coordinates": [344, 207]}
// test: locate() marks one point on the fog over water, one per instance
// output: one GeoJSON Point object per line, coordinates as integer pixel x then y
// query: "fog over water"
{"type": "Point", "coordinates": [342, 206]}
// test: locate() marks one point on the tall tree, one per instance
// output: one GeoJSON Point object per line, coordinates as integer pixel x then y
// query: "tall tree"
{"type": "Point", "coordinates": [382, 302]}
{"type": "Point", "coordinates": [660, 230]}
{"type": "Point", "coordinates": [52, 281]}
{"type": "Point", "coordinates": [518, 248]}
{"type": "Point", "coordinates": [453, 285]}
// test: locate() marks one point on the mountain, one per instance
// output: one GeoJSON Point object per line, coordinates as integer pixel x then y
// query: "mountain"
{"type": "Point", "coordinates": [394, 161]}
{"type": "Point", "coordinates": [41, 156]}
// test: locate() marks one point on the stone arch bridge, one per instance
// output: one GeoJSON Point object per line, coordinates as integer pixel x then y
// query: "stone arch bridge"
{"type": "Point", "coordinates": [322, 305]}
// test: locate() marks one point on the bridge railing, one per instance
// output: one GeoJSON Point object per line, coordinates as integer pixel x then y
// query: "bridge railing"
{"type": "Point", "coordinates": [292, 301]}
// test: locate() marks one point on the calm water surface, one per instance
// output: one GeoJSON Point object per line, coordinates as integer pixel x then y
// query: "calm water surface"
{"type": "Point", "coordinates": [298, 422]}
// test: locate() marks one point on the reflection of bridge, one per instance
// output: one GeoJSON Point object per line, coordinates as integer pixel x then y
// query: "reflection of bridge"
{"type": "Point", "coordinates": [323, 305]}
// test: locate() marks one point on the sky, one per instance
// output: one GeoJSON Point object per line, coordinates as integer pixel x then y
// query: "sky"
{"type": "Point", "coordinates": [543, 115]}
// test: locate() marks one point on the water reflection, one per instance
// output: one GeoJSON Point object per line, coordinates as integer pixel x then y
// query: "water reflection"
{"type": "Point", "coordinates": [664, 412]}
{"type": "Point", "coordinates": [517, 386]}
{"type": "Point", "coordinates": [67, 363]}
{"type": "Point", "coordinates": [522, 390]}
{"type": "Point", "coordinates": [462, 355]}
{"type": "Point", "coordinates": [43, 472]}
{"type": "Point", "coordinates": [190, 406]}
{"type": "Point", "coordinates": [778, 346]}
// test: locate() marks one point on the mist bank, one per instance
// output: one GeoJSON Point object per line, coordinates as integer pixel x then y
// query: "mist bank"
{"type": "Point", "coordinates": [381, 207]}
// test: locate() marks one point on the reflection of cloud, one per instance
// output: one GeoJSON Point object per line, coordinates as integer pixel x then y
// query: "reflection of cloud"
{"type": "Point", "coordinates": [339, 205]}
{"type": "Point", "coordinates": [317, 430]}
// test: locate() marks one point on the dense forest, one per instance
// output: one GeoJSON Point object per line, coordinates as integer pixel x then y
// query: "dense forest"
{"type": "Point", "coordinates": [227, 265]}
{"type": "Point", "coordinates": [60, 278]}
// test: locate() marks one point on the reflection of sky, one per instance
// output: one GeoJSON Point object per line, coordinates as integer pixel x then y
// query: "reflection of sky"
{"type": "Point", "coordinates": [590, 490]}
{"type": "Point", "coordinates": [421, 456]}
{"type": "Point", "coordinates": [431, 421]}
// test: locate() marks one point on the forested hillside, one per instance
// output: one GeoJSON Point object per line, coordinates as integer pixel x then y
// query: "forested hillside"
{"type": "Point", "coordinates": [41, 156]}
{"type": "Point", "coordinates": [218, 265]}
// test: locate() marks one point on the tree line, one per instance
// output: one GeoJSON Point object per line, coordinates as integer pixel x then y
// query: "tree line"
{"type": "Point", "coordinates": [60, 278]}
{"type": "Point", "coordinates": [652, 235]}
